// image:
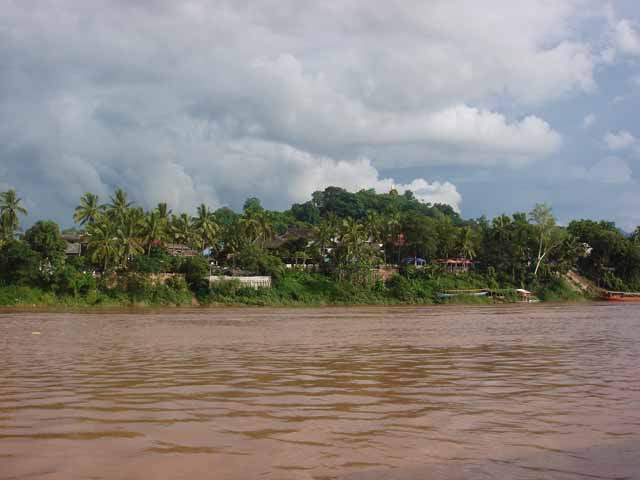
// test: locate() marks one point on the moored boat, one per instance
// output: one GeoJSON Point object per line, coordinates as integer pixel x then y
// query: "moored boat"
{"type": "Point", "coordinates": [621, 296]}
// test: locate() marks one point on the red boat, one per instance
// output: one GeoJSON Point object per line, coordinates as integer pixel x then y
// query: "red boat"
{"type": "Point", "coordinates": [621, 296]}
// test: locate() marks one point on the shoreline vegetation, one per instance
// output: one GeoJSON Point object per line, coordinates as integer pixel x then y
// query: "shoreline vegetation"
{"type": "Point", "coordinates": [337, 249]}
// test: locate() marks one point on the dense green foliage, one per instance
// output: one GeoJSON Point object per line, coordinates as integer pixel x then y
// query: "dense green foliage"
{"type": "Point", "coordinates": [614, 258]}
{"type": "Point", "coordinates": [324, 251]}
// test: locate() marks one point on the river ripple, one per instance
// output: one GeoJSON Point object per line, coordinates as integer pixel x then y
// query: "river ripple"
{"type": "Point", "coordinates": [522, 392]}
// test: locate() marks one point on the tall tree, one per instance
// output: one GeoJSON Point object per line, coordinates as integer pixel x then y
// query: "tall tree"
{"type": "Point", "coordinates": [325, 234]}
{"type": "Point", "coordinates": [549, 237]}
{"type": "Point", "coordinates": [353, 239]}
{"type": "Point", "coordinates": [119, 205]}
{"type": "Point", "coordinates": [88, 210]}
{"type": "Point", "coordinates": [130, 234]}
{"type": "Point", "coordinates": [257, 227]}
{"type": "Point", "coordinates": [446, 237]}
{"type": "Point", "coordinates": [163, 211]}
{"type": "Point", "coordinates": [10, 208]}
{"type": "Point", "coordinates": [182, 230]}
{"type": "Point", "coordinates": [153, 230]}
{"type": "Point", "coordinates": [104, 246]}
{"type": "Point", "coordinates": [44, 238]}
{"type": "Point", "coordinates": [467, 243]}
{"type": "Point", "coordinates": [206, 226]}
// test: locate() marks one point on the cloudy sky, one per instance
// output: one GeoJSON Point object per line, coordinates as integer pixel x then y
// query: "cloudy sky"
{"type": "Point", "coordinates": [489, 106]}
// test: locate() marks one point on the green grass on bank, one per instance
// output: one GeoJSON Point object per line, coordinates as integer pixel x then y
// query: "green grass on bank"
{"type": "Point", "coordinates": [292, 289]}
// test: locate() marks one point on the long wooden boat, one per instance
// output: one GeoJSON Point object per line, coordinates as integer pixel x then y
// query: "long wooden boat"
{"type": "Point", "coordinates": [621, 296]}
{"type": "Point", "coordinates": [476, 292]}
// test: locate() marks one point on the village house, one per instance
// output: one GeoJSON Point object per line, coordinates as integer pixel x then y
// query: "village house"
{"type": "Point", "coordinates": [455, 265]}
{"type": "Point", "coordinates": [180, 250]}
{"type": "Point", "coordinates": [73, 245]}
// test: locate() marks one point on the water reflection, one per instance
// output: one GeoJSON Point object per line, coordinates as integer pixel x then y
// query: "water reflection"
{"type": "Point", "coordinates": [510, 392]}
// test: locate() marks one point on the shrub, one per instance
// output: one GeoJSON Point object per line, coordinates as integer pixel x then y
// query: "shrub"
{"type": "Point", "coordinates": [260, 262]}
{"type": "Point", "coordinates": [44, 238]}
{"type": "Point", "coordinates": [177, 283]}
{"type": "Point", "coordinates": [196, 270]}
{"type": "Point", "coordinates": [19, 265]}
{"type": "Point", "coordinates": [69, 281]}
{"type": "Point", "coordinates": [558, 291]}
{"type": "Point", "coordinates": [14, 295]}
{"type": "Point", "coordinates": [401, 288]}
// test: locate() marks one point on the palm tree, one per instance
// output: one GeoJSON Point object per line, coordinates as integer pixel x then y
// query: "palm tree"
{"type": "Point", "coordinates": [501, 226]}
{"type": "Point", "coordinates": [88, 210]}
{"type": "Point", "coordinates": [130, 233]}
{"type": "Point", "coordinates": [257, 227]}
{"type": "Point", "coordinates": [250, 226]}
{"type": "Point", "coordinates": [163, 212]}
{"type": "Point", "coordinates": [10, 208]}
{"type": "Point", "coordinates": [392, 230]}
{"type": "Point", "coordinates": [266, 228]}
{"type": "Point", "coordinates": [325, 234]}
{"type": "Point", "coordinates": [153, 230]}
{"type": "Point", "coordinates": [119, 204]}
{"type": "Point", "coordinates": [103, 244]}
{"type": "Point", "coordinates": [182, 229]}
{"type": "Point", "coordinates": [467, 243]}
{"type": "Point", "coordinates": [206, 226]}
{"type": "Point", "coordinates": [353, 238]}
{"type": "Point", "coordinates": [373, 226]}
{"type": "Point", "coordinates": [233, 241]}
{"type": "Point", "coordinates": [446, 232]}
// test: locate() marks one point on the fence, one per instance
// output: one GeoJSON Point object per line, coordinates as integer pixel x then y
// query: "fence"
{"type": "Point", "coordinates": [253, 282]}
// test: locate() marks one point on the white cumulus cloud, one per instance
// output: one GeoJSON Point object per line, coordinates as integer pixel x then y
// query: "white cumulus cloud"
{"type": "Point", "coordinates": [627, 38]}
{"type": "Point", "coordinates": [211, 102]}
{"type": "Point", "coordinates": [620, 140]}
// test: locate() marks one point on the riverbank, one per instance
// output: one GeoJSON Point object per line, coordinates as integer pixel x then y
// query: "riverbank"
{"type": "Point", "coordinates": [297, 289]}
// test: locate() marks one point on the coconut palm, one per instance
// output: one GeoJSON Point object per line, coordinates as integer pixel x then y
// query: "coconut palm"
{"type": "Point", "coordinates": [446, 232]}
{"type": "Point", "coordinates": [372, 225]}
{"type": "Point", "coordinates": [88, 210]}
{"type": "Point", "coordinates": [130, 233]}
{"type": "Point", "coordinates": [501, 226]}
{"type": "Point", "coordinates": [206, 227]}
{"type": "Point", "coordinates": [257, 227]}
{"type": "Point", "coordinates": [353, 239]}
{"type": "Point", "coordinates": [467, 243]}
{"type": "Point", "coordinates": [181, 227]}
{"type": "Point", "coordinates": [119, 204]}
{"type": "Point", "coordinates": [10, 208]}
{"type": "Point", "coordinates": [265, 227]}
{"type": "Point", "coordinates": [103, 244]}
{"type": "Point", "coordinates": [164, 213]}
{"type": "Point", "coordinates": [153, 230]}
{"type": "Point", "coordinates": [250, 226]}
{"type": "Point", "coordinates": [325, 235]}
{"type": "Point", "coordinates": [233, 243]}
{"type": "Point", "coordinates": [392, 231]}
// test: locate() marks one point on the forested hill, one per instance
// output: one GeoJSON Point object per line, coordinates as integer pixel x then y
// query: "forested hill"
{"type": "Point", "coordinates": [344, 204]}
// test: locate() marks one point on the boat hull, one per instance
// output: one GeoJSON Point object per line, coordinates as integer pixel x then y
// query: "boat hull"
{"type": "Point", "coordinates": [622, 299]}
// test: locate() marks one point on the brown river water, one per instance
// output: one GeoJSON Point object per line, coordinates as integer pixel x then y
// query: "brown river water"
{"type": "Point", "coordinates": [511, 392]}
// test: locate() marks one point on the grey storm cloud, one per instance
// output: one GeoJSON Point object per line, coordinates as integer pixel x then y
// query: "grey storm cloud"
{"type": "Point", "coordinates": [197, 101]}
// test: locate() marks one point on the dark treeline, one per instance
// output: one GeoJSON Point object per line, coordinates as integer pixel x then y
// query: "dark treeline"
{"type": "Point", "coordinates": [340, 235]}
